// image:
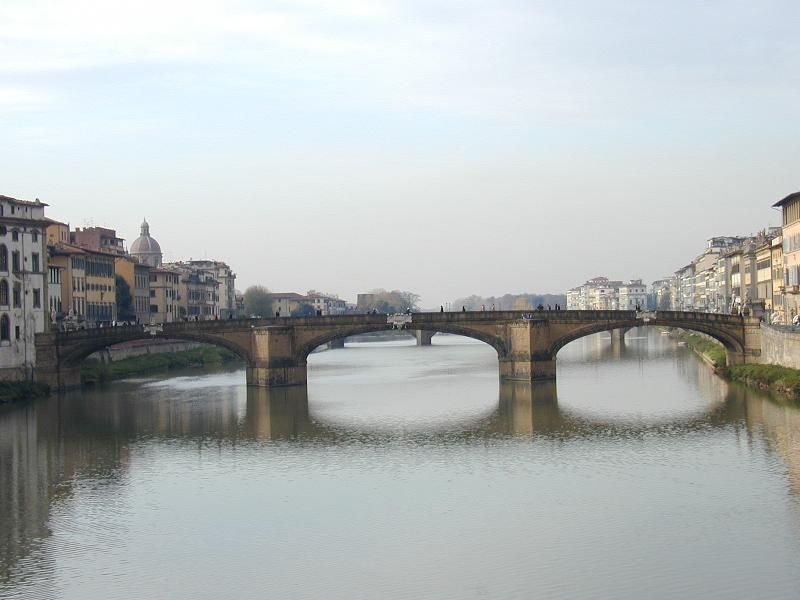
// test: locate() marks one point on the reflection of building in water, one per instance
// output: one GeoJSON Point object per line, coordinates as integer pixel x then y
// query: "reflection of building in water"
{"type": "Point", "coordinates": [41, 454]}
{"type": "Point", "coordinates": [781, 424]}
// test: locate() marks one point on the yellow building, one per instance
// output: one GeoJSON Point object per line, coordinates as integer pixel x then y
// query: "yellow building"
{"type": "Point", "coordinates": [164, 296]}
{"type": "Point", "coordinates": [790, 207]}
{"type": "Point", "coordinates": [101, 290]}
{"type": "Point", "coordinates": [57, 232]}
{"type": "Point", "coordinates": [137, 276]}
{"type": "Point", "coordinates": [764, 274]}
{"type": "Point", "coordinates": [72, 263]}
{"type": "Point", "coordinates": [777, 281]}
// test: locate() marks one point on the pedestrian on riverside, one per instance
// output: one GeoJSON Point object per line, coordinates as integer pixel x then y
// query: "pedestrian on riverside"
{"type": "Point", "coordinates": [441, 309]}
{"type": "Point", "coordinates": [463, 309]}
{"type": "Point", "coordinates": [483, 308]}
{"type": "Point", "coordinates": [492, 306]}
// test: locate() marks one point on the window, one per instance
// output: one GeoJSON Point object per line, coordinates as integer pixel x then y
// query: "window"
{"type": "Point", "coordinates": [17, 296]}
{"type": "Point", "coordinates": [3, 229]}
{"type": "Point", "coordinates": [15, 235]}
{"type": "Point", "coordinates": [5, 328]}
{"type": "Point", "coordinates": [3, 258]}
{"type": "Point", "coordinates": [153, 308]}
{"type": "Point", "coordinates": [3, 293]}
{"type": "Point", "coordinates": [152, 293]}
{"type": "Point", "coordinates": [15, 261]}
{"type": "Point", "coordinates": [35, 262]}
{"type": "Point", "coordinates": [16, 331]}
{"type": "Point", "coordinates": [35, 235]}
{"type": "Point", "coordinates": [37, 298]}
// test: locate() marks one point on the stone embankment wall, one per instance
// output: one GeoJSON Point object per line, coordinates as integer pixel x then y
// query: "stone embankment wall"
{"type": "Point", "coordinates": [140, 347]}
{"type": "Point", "coordinates": [780, 346]}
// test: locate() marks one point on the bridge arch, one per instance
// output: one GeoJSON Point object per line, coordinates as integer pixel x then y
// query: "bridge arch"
{"type": "Point", "coordinates": [311, 344]}
{"type": "Point", "coordinates": [75, 346]}
{"type": "Point", "coordinates": [730, 342]}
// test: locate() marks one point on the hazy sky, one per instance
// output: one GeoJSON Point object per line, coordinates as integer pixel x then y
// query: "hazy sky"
{"type": "Point", "coordinates": [441, 147]}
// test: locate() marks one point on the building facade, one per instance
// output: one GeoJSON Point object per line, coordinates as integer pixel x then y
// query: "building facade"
{"type": "Point", "coordinates": [100, 239]}
{"type": "Point", "coordinates": [198, 292]}
{"type": "Point", "coordinates": [164, 296]}
{"type": "Point", "coordinates": [790, 218]}
{"type": "Point", "coordinates": [226, 279]}
{"type": "Point", "coordinates": [23, 285]}
{"type": "Point", "coordinates": [137, 276]}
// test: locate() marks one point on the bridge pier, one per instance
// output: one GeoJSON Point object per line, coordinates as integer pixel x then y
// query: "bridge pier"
{"type": "Point", "coordinates": [336, 344]}
{"type": "Point", "coordinates": [528, 370]}
{"type": "Point", "coordinates": [59, 378]}
{"type": "Point", "coordinates": [618, 337]}
{"type": "Point", "coordinates": [424, 337]}
{"type": "Point", "coordinates": [528, 357]}
{"type": "Point", "coordinates": [276, 376]}
{"type": "Point", "coordinates": [274, 362]}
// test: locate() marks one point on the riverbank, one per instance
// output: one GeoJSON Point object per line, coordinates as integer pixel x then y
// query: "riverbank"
{"type": "Point", "coordinates": [21, 391]}
{"type": "Point", "coordinates": [783, 381]}
{"type": "Point", "coordinates": [97, 372]}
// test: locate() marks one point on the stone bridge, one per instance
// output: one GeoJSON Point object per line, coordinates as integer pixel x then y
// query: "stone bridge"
{"type": "Point", "coordinates": [276, 350]}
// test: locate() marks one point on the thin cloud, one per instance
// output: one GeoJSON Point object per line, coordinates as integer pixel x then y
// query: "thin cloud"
{"type": "Point", "coordinates": [19, 98]}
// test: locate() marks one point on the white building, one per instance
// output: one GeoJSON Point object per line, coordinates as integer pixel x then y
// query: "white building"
{"type": "Point", "coordinates": [227, 284]}
{"type": "Point", "coordinates": [327, 305]}
{"type": "Point", "coordinates": [54, 303]}
{"type": "Point", "coordinates": [633, 295]}
{"type": "Point", "coordinates": [23, 285]}
{"type": "Point", "coordinates": [601, 293]}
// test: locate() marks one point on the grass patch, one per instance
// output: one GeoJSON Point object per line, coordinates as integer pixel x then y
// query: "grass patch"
{"type": "Point", "coordinates": [18, 391]}
{"type": "Point", "coordinates": [97, 372]}
{"type": "Point", "coordinates": [783, 380]}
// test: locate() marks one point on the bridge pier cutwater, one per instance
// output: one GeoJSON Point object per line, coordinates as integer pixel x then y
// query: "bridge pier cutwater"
{"type": "Point", "coordinates": [424, 337]}
{"type": "Point", "coordinates": [276, 350]}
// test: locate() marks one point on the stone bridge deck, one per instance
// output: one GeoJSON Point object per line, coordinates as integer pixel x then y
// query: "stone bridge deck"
{"type": "Point", "coordinates": [276, 350]}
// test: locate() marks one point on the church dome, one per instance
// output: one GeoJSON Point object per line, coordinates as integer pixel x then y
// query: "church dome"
{"type": "Point", "coordinates": [145, 248]}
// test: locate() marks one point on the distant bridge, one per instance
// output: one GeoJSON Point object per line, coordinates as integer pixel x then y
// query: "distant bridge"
{"type": "Point", "coordinates": [276, 350]}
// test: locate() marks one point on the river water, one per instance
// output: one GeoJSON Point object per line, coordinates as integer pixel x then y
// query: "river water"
{"type": "Point", "coordinates": [404, 472]}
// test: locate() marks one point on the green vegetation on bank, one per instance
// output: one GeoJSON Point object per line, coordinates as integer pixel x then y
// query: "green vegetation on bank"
{"type": "Point", "coordinates": [782, 380]}
{"type": "Point", "coordinates": [774, 378]}
{"type": "Point", "coordinates": [17, 391]}
{"type": "Point", "coordinates": [95, 371]}
{"type": "Point", "coordinates": [712, 351]}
